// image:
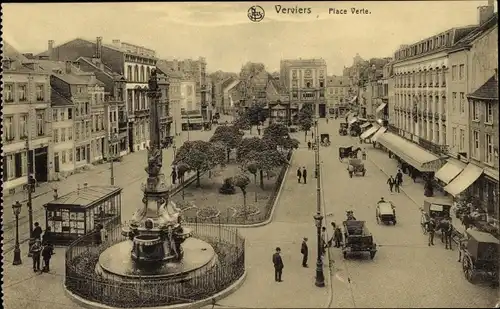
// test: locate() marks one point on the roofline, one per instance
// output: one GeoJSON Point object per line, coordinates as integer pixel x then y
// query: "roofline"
{"type": "Point", "coordinates": [62, 96]}
{"type": "Point", "coordinates": [92, 64]}
{"type": "Point", "coordinates": [26, 73]}
{"type": "Point", "coordinates": [470, 96]}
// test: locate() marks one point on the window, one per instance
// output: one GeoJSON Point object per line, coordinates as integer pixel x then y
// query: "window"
{"type": "Point", "coordinates": [23, 126]}
{"type": "Point", "coordinates": [11, 167]}
{"type": "Point", "coordinates": [8, 92]}
{"type": "Point", "coordinates": [63, 157]}
{"type": "Point", "coordinates": [475, 110]}
{"type": "Point", "coordinates": [96, 99]}
{"type": "Point", "coordinates": [489, 113]}
{"type": "Point", "coordinates": [461, 72]}
{"type": "Point", "coordinates": [453, 72]}
{"type": "Point", "coordinates": [61, 114]}
{"type": "Point", "coordinates": [70, 155]}
{"type": "Point", "coordinates": [56, 135]}
{"type": "Point", "coordinates": [79, 89]}
{"type": "Point", "coordinates": [40, 122]}
{"type": "Point", "coordinates": [70, 134]}
{"type": "Point", "coordinates": [475, 144]}
{"type": "Point", "coordinates": [454, 101]}
{"type": "Point", "coordinates": [77, 110]}
{"type": "Point", "coordinates": [454, 136]}
{"type": "Point", "coordinates": [40, 93]}
{"type": "Point", "coordinates": [21, 89]}
{"type": "Point", "coordinates": [63, 134]}
{"type": "Point", "coordinates": [488, 140]}
{"type": "Point", "coordinates": [8, 128]}
{"type": "Point", "coordinates": [462, 140]}
{"type": "Point", "coordinates": [321, 84]}
{"type": "Point", "coordinates": [462, 103]}
{"type": "Point", "coordinates": [24, 163]}
{"type": "Point", "coordinates": [70, 113]}
{"type": "Point", "coordinates": [77, 154]}
{"type": "Point", "coordinates": [86, 108]}
{"type": "Point", "coordinates": [54, 115]}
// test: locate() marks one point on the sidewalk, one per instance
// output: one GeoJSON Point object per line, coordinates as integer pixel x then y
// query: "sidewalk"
{"type": "Point", "coordinates": [293, 220]}
{"type": "Point", "coordinates": [414, 191]}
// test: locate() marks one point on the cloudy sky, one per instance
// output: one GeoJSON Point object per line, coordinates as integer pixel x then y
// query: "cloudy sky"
{"type": "Point", "coordinates": [223, 34]}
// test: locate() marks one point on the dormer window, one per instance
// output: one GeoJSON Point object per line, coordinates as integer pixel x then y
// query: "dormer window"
{"type": "Point", "coordinates": [6, 64]}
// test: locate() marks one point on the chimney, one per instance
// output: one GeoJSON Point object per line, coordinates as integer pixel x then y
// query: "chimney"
{"type": "Point", "coordinates": [98, 47]}
{"type": "Point", "coordinates": [51, 49]}
{"type": "Point", "coordinates": [485, 12]}
{"type": "Point", "coordinates": [76, 64]}
{"type": "Point", "coordinates": [68, 67]}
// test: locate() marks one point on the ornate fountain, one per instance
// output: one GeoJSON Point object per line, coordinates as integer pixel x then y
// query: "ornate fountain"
{"type": "Point", "coordinates": [157, 240]}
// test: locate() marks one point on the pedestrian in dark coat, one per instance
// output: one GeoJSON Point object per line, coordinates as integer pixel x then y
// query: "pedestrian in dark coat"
{"type": "Point", "coordinates": [337, 235]}
{"type": "Point", "coordinates": [47, 252]}
{"type": "Point", "coordinates": [173, 174]}
{"type": "Point", "coordinates": [37, 231]}
{"type": "Point", "coordinates": [309, 145]}
{"type": "Point", "coordinates": [390, 182]}
{"type": "Point", "coordinates": [399, 177]}
{"type": "Point", "coordinates": [396, 186]}
{"type": "Point", "coordinates": [47, 235]}
{"type": "Point", "coordinates": [36, 250]}
{"type": "Point", "coordinates": [305, 252]}
{"type": "Point", "coordinates": [299, 174]}
{"type": "Point", "coordinates": [304, 174]}
{"type": "Point", "coordinates": [278, 265]}
{"type": "Point", "coordinates": [312, 134]}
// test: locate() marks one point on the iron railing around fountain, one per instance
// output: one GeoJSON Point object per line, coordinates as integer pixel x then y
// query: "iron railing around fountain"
{"type": "Point", "coordinates": [82, 280]}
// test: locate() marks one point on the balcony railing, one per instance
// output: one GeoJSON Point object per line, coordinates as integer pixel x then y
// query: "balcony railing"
{"type": "Point", "coordinates": [436, 115]}
{"type": "Point", "coordinates": [443, 116]}
{"type": "Point", "coordinates": [435, 148]}
{"type": "Point", "coordinates": [429, 114]}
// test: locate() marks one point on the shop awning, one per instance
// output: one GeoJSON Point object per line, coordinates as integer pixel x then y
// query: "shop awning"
{"type": "Point", "coordinates": [353, 120]}
{"type": "Point", "coordinates": [353, 99]}
{"type": "Point", "coordinates": [450, 170]}
{"type": "Point", "coordinates": [381, 107]}
{"type": "Point", "coordinates": [379, 133]}
{"type": "Point", "coordinates": [365, 125]}
{"type": "Point", "coordinates": [466, 178]}
{"type": "Point", "coordinates": [369, 132]}
{"type": "Point", "coordinates": [411, 153]}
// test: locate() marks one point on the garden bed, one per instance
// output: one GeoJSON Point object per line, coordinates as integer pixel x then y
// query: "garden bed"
{"type": "Point", "coordinates": [208, 196]}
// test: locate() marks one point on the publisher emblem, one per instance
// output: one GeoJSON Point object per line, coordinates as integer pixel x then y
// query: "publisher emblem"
{"type": "Point", "coordinates": [256, 13]}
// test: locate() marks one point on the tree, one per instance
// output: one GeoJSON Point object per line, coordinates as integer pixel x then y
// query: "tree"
{"type": "Point", "coordinates": [253, 169]}
{"type": "Point", "coordinates": [305, 119]}
{"type": "Point", "coordinates": [265, 161]}
{"type": "Point", "coordinates": [249, 144]}
{"type": "Point", "coordinates": [276, 134]}
{"type": "Point", "coordinates": [290, 143]}
{"type": "Point", "coordinates": [182, 168]}
{"type": "Point", "coordinates": [256, 114]}
{"type": "Point", "coordinates": [242, 181]}
{"type": "Point", "coordinates": [229, 136]}
{"type": "Point", "coordinates": [242, 122]}
{"type": "Point", "coordinates": [199, 156]}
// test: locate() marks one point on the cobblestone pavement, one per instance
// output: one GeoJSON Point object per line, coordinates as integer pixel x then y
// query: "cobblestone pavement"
{"type": "Point", "coordinates": [406, 272]}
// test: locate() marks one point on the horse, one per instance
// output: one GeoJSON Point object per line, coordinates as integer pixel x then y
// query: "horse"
{"type": "Point", "coordinates": [446, 229]}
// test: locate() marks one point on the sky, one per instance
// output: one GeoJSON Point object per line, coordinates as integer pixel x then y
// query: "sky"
{"type": "Point", "coordinates": [223, 34]}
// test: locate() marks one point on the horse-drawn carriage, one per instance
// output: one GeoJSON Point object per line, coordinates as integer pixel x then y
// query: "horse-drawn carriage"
{"type": "Point", "coordinates": [355, 129]}
{"type": "Point", "coordinates": [357, 239]}
{"type": "Point", "coordinates": [479, 255]}
{"type": "Point", "coordinates": [435, 207]}
{"type": "Point", "coordinates": [385, 213]}
{"type": "Point", "coordinates": [325, 139]}
{"type": "Point", "coordinates": [356, 167]}
{"type": "Point", "coordinates": [343, 128]}
{"type": "Point", "coordinates": [348, 152]}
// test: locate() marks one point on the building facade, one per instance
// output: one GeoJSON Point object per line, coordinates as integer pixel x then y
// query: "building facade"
{"type": "Point", "coordinates": [305, 80]}
{"type": "Point", "coordinates": [133, 62]}
{"type": "Point", "coordinates": [191, 109]}
{"type": "Point", "coordinates": [26, 128]}
{"type": "Point", "coordinates": [337, 92]}
{"type": "Point", "coordinates": [419, 109]}
{"type": "Point", "coordinates": [63, 146]}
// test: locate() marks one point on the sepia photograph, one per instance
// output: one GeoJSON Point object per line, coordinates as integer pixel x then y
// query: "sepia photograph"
{"type": "Point", "coordinates": [183, 155]}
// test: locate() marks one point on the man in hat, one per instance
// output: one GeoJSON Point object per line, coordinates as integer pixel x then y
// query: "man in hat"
{"type": "Point", "coordinates": [278, 265]}
{"type": "Point", "coordinates": [305, 252]}
{"type": "Point", "coordinates": [299, 174]}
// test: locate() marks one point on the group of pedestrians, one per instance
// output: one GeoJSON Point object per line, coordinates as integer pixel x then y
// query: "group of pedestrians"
{"type": "Point", "coordinates": [42, 248]}
{"type": "Point", "coordinates": [302, 174]}
{"type": "Point", "coordinates": [395, 183]}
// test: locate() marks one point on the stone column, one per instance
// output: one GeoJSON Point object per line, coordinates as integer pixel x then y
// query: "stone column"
{"type": "Point", "coordinates": [435, 137]}
{"type": "Point", "coordinates": [429, 119]}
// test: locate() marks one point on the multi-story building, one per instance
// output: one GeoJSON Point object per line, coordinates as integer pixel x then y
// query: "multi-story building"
{"type": "Point", "coordinates": [305, 80]}
{"type": "Point", "coordinates": [98, 128]}
{"type": "Point", "coordinates": [133, 62]}
{"type": "Point", "coordinates": [337, 92]}
{"type": "Point", "coordinates": [26, 130]}
{"type": "Point", "coordinates": [114, 108]}
{"type": "Point", "coordinates": [174, 95]}
{"type": "Point", "coordinates": [195, 70]}
{"type": "Point", "coordinates": [463, 81]}
{"type": "Point", "coordinates": [63, 146]}
{"type": "Point", "coordinates": [483, 105]}
{"type": "Point", "coordinates": [230, 95]}
{"type": "Point", "coordinates": [419, 109]}
{"type": "Point", "coordinates": [191, 110]}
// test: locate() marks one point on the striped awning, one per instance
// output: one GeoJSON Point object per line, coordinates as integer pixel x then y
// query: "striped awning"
{"type": "Point", "coordinates": [450, 170]}
{"type": "Point", "coordinates": [466, 178]}
{"type": "Point", "coordinates": [379, 133]}
{"type": "Point", "coordinates": [365, 125]}
{"type": "Point", "coordinates": [353, 120]}
{"type": "Point", "coordinates": [353, 99]}
{"type": "Point", "coordinates": [369, 132]}
{"type": "Point", "coordinates": [411, 153]}
{"type": "Point", "coordinates": [381, 107]}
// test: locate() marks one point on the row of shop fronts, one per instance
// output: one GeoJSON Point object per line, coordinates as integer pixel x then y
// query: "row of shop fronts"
{"type": "Point", "coordinates": [455, 177]}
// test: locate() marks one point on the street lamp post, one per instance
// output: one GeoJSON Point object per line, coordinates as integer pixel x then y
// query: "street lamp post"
{"type": "Point", "coordinates": [17, 251]}
{"type": "Point", "coordinates": [30, 186]}
{"type": "Point", "coordinates": [112, 141]}
{"type": "Point", "coordinates": [318, 218]}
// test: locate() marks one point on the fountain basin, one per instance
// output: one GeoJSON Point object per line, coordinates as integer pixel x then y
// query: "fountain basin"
{"type": "Point", "coordinates": [115, 263]}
